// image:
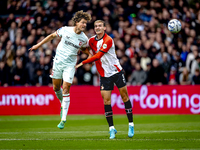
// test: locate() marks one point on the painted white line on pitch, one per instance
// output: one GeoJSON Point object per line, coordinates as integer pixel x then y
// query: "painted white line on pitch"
{"type": "Point", "coordinates": [137, 132]}
{"type": "Point", "coordinates": [99, 139]}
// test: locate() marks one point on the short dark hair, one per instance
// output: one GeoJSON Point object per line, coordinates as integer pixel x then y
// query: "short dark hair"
{"type": "Point", "coordinates": [104, 24]}
{"type": "Point", "coordinates": [80, 15]}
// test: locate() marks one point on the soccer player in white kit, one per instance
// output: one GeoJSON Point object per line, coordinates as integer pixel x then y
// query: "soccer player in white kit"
{"type": "Point", "coordinates": [111, 73]}
{"type": "Point", "coordinates": [73, 39]}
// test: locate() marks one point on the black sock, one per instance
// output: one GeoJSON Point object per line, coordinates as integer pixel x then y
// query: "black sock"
{"type": "Point", "coordinates": [109, 114]}
{"type": "Point", "coordinates": [128, 108]}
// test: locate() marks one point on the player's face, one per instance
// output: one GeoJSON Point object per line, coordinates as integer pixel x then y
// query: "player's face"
{"type": "Point", "coordinates": [81, 25]}
{"type": "Point", "coordinates": [99, 28]}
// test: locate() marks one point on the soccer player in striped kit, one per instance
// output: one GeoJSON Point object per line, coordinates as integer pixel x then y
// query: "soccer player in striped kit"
{"type": "Point", "coordinates": [110, 72]}
{"type": "Point", "coordinates": [73, 39]}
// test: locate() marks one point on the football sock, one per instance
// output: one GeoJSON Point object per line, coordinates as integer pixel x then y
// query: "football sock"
{"type": "Point", "coordinates": [59, 95]}
{"type": "Point", "coordinates": [65, 106]}
{"type": "Point", "coordinates": [128, 108]}
{"type": "Point", "coordinates": [109, 114]}
{"type": "Point", "coordinates": [111, 127]}
{"type": "Point", "coordinates": [131, 124]}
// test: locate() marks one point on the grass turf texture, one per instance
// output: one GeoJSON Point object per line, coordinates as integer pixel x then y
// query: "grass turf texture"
{"type": "Point", "coordinates": [91, 132]}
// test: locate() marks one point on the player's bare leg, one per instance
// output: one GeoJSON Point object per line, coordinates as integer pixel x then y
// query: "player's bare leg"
{"type": "Point", "coordinates": [128, 108]}
{"type": "Point", "coordinates": [65, 103]}
{"type": "Point", "coordinates": [57, 88]}
{"type": "Point", "coordinates": [106, 95]}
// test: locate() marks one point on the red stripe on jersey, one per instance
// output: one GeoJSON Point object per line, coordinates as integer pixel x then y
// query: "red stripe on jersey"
{"type": "Point", "coordinates": [100, 68]}
{"type": "Point", "coordinates": [57, 34]}
{"type": "Point", "coordinates": [117, 68]}
{"type": "Point", "coordinates": [93, 44]}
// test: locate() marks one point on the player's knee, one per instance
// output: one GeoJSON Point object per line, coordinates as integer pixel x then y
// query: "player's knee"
{"type": "Point", "coordinates": [66, 88]}
{"type": "Point", "coordinates": [66, 91]}
{"type": "Point", "coordinates": [107, 101]}
{"type": "Point", "coordinates": [56, 88]}
{"type": "Point", "coordinates": [125, 97]}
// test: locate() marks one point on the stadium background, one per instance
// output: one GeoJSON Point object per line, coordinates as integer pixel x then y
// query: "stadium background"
{"type": "Point", "coordinates": [139, 29]}
{"type": "Point", "coordinates": [150, 55]}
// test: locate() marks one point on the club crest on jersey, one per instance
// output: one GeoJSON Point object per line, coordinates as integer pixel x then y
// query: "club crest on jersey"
{"type": "Point", "coordinates": [104, 46]}
{"type": "Point", "coordinates": [80, 43]}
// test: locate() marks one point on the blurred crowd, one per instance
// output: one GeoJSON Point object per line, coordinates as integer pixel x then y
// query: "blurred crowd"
{"type": "Point", "coordinates": [148, 52]}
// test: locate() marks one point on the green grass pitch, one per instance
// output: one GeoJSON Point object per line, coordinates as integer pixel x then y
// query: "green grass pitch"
{"type": "Point", "coordinates": [91, 132]}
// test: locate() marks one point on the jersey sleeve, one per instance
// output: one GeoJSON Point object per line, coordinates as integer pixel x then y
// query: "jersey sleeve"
{"type": "Point", "coordinates": [59, 32]}
{"type": "Point", "coordinates": [106, 45]}
{"type": "Point", "coordinates": [95, 57]}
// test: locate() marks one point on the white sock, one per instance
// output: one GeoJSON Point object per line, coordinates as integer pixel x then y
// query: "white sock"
{"type": "Point", "coordinates": [65, 106]}
{"type": "Point", "coordinates": [111, 127]}
{"type": "Point", "coordinates": [59, 95]}
{"type": "Point", "coordinates": [131, 123]}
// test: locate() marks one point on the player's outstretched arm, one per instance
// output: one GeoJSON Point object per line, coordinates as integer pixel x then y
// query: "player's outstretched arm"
{"type": "Point", "coordinates": [79, 65]}
{"type": "Point", "coordinates": [45, 40]}
{"type": "Point", "coordinates": [89, 60]}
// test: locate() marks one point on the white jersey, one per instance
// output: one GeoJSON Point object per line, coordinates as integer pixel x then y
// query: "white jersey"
{"type": "Point", "coordinates": [69, 45]}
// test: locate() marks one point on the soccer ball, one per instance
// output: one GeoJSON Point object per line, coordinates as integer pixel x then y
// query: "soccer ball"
{"type": "Point", "coordinates": [174, 26]}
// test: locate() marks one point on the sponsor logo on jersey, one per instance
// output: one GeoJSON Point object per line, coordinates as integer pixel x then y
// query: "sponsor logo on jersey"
{"type": "Point", "coordinates": [104, 46]}
{"type": "Point", "coordinates": [69, 43]}
{"type": "Point", "coordinates": [81, 40]}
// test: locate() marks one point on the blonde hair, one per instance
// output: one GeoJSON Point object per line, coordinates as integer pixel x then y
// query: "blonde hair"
{"type": "Point", "coordinates": [104, 24]}
{"type": "Point", "coordinates": [80, 15]}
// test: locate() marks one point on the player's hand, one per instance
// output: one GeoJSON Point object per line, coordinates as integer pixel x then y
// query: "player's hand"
{"type": "Point", "coordinates": [79, 65]}
{"type": "Point", "coordinates": [33, 48]}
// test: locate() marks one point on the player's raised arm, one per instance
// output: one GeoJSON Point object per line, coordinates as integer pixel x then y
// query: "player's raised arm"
{"type": "Point", "coordinates": [45, 40]}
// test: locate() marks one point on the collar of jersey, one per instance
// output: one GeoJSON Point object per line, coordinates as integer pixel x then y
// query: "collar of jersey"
{"type": "Point", "coordinates": [76, 33]}
{"type": "Point", "coordinates": [100, 38]}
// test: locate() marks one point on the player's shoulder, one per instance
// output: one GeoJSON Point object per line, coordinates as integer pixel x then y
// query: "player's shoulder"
{"type": "Point", "coordinates": [84, 36]}
{"type": "Point", "coordinates": [107, 38]}
{"type": "Point", "coordinates": [68, 28]}
{"type": "Point", "coordinates": [92, 38]}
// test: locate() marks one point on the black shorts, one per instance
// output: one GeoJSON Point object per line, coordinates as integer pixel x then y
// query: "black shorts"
{"type": "Point", "coordinates": [107, 83]}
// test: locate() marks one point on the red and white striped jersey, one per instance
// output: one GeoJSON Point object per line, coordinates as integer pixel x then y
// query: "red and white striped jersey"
{"type": "Point", "coordinates": [108, 64]}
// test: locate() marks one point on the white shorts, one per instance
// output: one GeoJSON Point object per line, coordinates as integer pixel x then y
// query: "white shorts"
{"type": "Point", "coordinates": [60, 71]}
